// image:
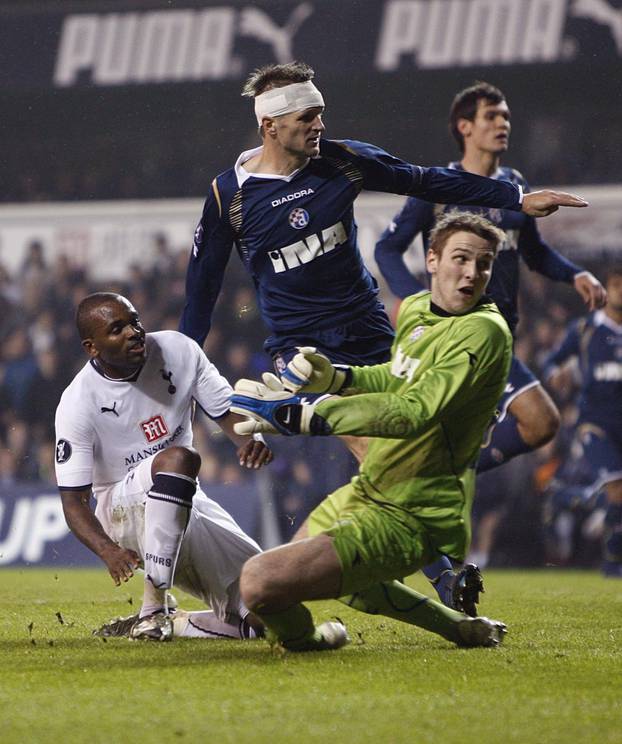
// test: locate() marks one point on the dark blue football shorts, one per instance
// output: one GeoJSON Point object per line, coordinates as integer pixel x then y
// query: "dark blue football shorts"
{"type": "Point", "coordinates": [363, 341]}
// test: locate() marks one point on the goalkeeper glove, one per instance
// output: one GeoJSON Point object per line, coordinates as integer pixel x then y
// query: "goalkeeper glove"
{"type": "Point", "coordinates": [274, 412]}
{"type": "Point", "coordinates": [312, 372]}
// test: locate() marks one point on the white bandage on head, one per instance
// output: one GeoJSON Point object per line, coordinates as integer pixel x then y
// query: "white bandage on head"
{"type": "Point", "coordinates": [292, 97]}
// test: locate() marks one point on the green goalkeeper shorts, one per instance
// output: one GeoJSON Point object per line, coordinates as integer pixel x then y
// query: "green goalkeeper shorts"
{"type": "Point", "coordinates": [375, 542]}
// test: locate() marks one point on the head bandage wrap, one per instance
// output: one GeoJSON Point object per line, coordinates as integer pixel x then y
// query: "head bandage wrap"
{"type": "Point", "coordinates": [293, 97]}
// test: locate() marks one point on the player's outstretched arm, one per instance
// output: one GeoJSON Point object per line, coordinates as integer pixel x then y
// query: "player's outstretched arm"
{"type": "Point", "coordinates": [543, 203]}
{"type": "Point", "coordinates": [81, 520]}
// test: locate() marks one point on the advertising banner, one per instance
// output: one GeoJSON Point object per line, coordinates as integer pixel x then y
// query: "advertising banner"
{"type": "Point", "coordinates": [142, 99]}
{"type": "Point", "coordinates": [112, 44]}
{"type": "Point", "coordinates": [33, 531]}
{"type": "Point", "coordinates": [106, 238]}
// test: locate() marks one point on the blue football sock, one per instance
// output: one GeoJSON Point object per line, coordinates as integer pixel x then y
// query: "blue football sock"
{"type": "Point", "coordinates": [440, 574]}
{"type": "Point", "coordinates": [506, 442]}
{"type": "Point", "coordinates": [613, 533]}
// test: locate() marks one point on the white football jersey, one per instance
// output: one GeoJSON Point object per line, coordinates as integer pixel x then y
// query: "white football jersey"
{"type": "Point", "coordinates": [105, 427]}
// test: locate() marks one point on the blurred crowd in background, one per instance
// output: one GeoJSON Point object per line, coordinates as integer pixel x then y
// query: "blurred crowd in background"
{"type": "Point", "coordinates": [144, 165]}
{"type": "Point", "coordinates": [40, 353]}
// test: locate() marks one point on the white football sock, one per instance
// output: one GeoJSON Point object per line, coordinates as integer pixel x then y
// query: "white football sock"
{"type": "Point", "coordinates": [205, 624]}
{"type": "Point", "coordinates": [166, 516]}
{"type": "Point", "coordinates": [154, 599]}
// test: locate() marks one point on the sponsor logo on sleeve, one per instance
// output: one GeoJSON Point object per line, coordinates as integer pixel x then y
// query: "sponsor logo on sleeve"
{"type": "Point", "coordinates": [198, 239]}
{"type": "Point", "coordinates": [63, 451]}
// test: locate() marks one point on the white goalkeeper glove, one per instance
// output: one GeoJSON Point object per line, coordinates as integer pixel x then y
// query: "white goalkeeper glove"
{"type": "Point", "coordinates": [312, 372]}
{"type": "Point", "coordinates": [273, 411]}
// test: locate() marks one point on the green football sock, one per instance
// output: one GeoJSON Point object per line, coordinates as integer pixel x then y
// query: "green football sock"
{"type": "Point", "coordinates": [293, 628]}
{"type": "Point", "coordinates": [396, 600]}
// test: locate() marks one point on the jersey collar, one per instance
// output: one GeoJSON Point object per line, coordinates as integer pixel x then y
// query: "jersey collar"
{"type": "Point", "coordinates": [132, 378]}
{"type": "Point", "coordinates": [483, 300]}
{"type": "Point", "coordinates": [243, 175]}
{"type": "Point", "coordinates": [601, 318]}
{"type": "Point", "coordinates": [457, 165]}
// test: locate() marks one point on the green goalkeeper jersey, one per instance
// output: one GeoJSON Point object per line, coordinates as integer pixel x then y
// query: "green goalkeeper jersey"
{"type": "Point", "coordinates": [427, 411]}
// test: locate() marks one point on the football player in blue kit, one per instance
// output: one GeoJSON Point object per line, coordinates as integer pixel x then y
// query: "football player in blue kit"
{"type": "Point", "coordinates": [480, 123]}
{"type": "Point", "coordinates": [593, 346]}
{"type": "Point", "coordinates": [287, 207]}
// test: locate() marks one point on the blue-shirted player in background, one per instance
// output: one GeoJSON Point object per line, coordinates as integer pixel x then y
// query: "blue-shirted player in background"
{"type": "Point", "coordinates": [594, 346]}
{"type": "Point", "coordinates": [480, 122]}
{"type": "Point", "coordinates": [287, 206]}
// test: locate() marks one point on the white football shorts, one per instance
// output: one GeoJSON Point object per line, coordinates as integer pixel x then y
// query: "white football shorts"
{"type": "Point", "coordinates": [213, 550]}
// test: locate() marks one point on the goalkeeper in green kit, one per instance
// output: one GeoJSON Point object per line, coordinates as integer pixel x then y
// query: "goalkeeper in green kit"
{"type": "Point", "coordinates": [426, 411]}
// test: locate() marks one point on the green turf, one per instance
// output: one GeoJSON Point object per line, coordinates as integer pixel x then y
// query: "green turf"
{"type": "Point", "coordinates": [556, 679]}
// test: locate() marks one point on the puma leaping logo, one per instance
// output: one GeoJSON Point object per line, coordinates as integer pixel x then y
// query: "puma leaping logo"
{"type": "Point", "coordinates": [254, 22]}
{"type": "Point", "coordinates": [103, 409]}
{"type": "Point", "coordinates": [600, 11]}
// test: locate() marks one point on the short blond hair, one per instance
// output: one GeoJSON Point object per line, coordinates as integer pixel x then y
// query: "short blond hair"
{"type": "Point", "coordinates": [455, 221]}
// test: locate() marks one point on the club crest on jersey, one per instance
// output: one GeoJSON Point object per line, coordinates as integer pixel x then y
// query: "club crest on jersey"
{"type": "Point", "coordinates": [494, 215]}
{"type": "Point", "coordinates": [298, 218]}
{"type": "Point", "coordinates": [154, 429]}
{"type": "Point", "coordinates": [63, 451]}
{"type": "Point", "coordinates": [416, 333]}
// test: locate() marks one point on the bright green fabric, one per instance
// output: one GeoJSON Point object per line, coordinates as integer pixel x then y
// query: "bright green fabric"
{"type": "Point", "coordinates": [427, 411]}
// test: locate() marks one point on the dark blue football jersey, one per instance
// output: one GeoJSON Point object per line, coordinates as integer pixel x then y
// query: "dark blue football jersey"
{"type": "Point", "coordinates": [523, 240]}
{"type": "Point", "coordinates": [297, 236]}
{"type": "Point", "coordinates": [595, 343]}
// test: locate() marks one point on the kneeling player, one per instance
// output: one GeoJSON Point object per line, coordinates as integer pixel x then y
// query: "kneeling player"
{"type": "Point", "coordinates": [124, 435]}
{"type": "Point", "coordinates": [426, 411]}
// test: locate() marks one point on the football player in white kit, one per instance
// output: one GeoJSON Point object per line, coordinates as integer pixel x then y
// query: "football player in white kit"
{"type": "Point", "coordinates": [124, 435]}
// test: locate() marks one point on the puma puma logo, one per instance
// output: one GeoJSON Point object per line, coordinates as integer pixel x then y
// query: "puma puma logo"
{"type": "Point", "coordinates": [254, 22]}
{"type": "Point", "coordinates": [103, 409]}
{"type": "Point", "coordinates": [601, 12]}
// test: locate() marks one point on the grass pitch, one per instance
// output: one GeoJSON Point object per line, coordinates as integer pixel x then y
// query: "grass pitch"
{"type": "Point", "coordinates": [556, 679]}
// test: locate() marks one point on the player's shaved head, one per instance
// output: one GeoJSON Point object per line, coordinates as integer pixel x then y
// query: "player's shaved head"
{"type": "Point", "coordinates": [455, 221]}
{"type": "Point", "coordinates": [89, 307]}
